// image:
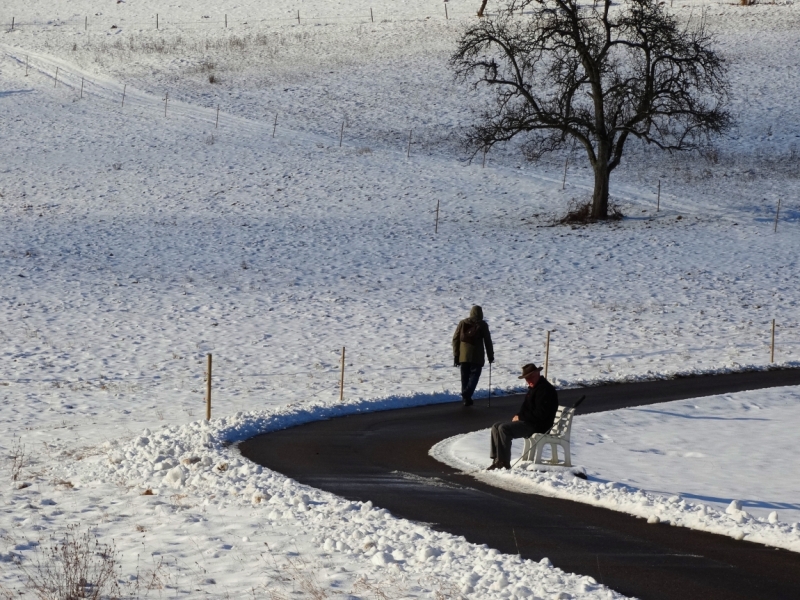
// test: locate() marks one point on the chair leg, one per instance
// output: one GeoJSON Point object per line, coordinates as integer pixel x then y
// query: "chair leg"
{"type": "Point", "coordinates": [526, 449]}
{"type": "Point", "coordinates": [567, 457]}
{"type": "Point", "coordinates": [537, 457]}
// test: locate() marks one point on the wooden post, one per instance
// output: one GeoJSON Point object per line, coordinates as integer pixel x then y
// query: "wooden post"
{"type": "Point", "coordinates": [777, 213]}
{"type": "Point", "coordinates": [371, 18]}
{"type": "Point", "coordinates": [658, 199]}
{"type": "Point", "coordinates": [408, 150]}
{"type": "Point", "coordinates": [56, 83]}
{"type": "Point", "coordinates": [86, 24]}
{"type": "Point", "coordinates": [216, 124]}
{"type": "Point", "coordinates": [26, 66]}
{"type": "Point", "coordinates": [166, 100]}
{"type": "Point", "coordinates": [772, 346]}
{"type": "Point", "coordinates": [208, 390]}
{"type": "Point", "coordinates": [124, 89]}
{"type": "Point", "coordinates": [12, 23]}
{"type": "Point", "coordinates": [341, 380]}
{"type": "Point", "coordinates": [445, 11]}
{"type": "Point", "coordinates": [156, 21]}
{"type": "Point", "coordinates": [483, 165]}
{"type": "Point", "coordinates": [341, 134]}
{"type": "Point", "coordinates": [275, 125]}
{"type": "Point", "coordinates": [298, 17]}
{"type": "Point", "coordinates": [436, 226]}
{"type": "Point", "coordinates": [226, 21]}
{"type": "Point", "coordinates": [547, 355]}
{"type": "Point", "coordinates": [81, 88]}
{"type": "Point", "coordinates": [564, 182]}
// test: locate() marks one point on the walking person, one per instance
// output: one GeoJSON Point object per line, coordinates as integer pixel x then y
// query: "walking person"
{"type": "Point", "coordinates": [537, 414]}
{"type": "Point", "coordinates": [471, 337]}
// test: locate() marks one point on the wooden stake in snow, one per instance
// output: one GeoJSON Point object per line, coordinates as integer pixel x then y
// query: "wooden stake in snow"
{"type": "Point", "coordinates": [208, 390]}
{"type": "Point", "coordinates": [772, 346]}
{"type": "Point", "coordinates": [298, 17]}
{"type": "Point", "coordinates": [483, 165]}
{"type": "Point", "coordinates": [564, 182]}
{"type": "Point", "coordinates": [56, 83]}
{"type": "Point", "coordinates": [275, 125]}
{"type": "Point", "coordinates": [658, 198]}
{"type": "Point", "coordinates": [341, 380]}
{"type": "Point", "coordinates": [408, 150]}
{"type": "Point", "coordinates": [124, 89]}
{"type": "Point", "coordinates": [371, 18]}
{"type": "Point", "coordinates": [547, 355]}
{"type": "Point", "coordinates": [81, 88]}
{"type": "Point", "coordinates": [777, 214]}
{"type": "Point", "coordinates": [156, 20]}
{"type": "Point", "coordinates": [166, 100]}
{"type": "Point", "coordinates": [341, 134]}
{"type": "Point", "coordinates": [226, 21]}
{"type": "Point", "coordinates": [12, 23]}
{"type": "Point", "coordinates": [436, 225]}
{"type": "Point", "coordinates": [86, 24]}
{"type": "Point", "coordinates": [26, 66]}
{"type": "Point", "coordinates": [445, 11]}
{"type": "Point", "coordinates": [216, 124]}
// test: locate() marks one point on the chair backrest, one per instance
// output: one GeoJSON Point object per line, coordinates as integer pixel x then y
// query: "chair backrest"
{"type": "Point", "coordinates": [563, 423]}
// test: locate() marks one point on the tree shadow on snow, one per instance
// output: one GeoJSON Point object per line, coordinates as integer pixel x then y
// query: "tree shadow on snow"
{"type": "Point", "coordinates": [699, 417]}
{"type": "Point", "coordinates": [12, 92]}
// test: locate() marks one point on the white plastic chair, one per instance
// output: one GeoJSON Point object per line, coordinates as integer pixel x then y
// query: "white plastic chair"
{"type": "Point", "coordinates": [558, 436]}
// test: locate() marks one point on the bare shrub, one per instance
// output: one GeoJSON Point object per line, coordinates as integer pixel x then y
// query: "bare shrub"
{"type": "Point", "coordinates": [580, 213]}
{"type": "Point", "coordinates": [79, 566]}
{"type": "Point", "coordinates": [17, 457]}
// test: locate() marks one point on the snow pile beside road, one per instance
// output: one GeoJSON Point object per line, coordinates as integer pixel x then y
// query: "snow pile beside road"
{"type": "Point", "coordinates": [723, 464]}
{"type": "Point", "coordinates": [199, 460]}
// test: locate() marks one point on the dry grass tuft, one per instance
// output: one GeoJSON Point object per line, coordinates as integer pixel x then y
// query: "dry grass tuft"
{"type": "Point", "coordinates": [79, 566]}
{"type": "Point", "coordinates": [580, 213]}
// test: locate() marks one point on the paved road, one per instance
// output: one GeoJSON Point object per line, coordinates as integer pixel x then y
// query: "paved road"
{"type": "Point", "coordinates": [383, 457]}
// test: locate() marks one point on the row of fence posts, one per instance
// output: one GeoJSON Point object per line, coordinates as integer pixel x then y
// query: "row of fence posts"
{"type": "Point", "coordinates": [342, 365]}
{"type": "Point", "coordinates": [158, 28]}
{"type": "Point", "coordinates": [371, 17]}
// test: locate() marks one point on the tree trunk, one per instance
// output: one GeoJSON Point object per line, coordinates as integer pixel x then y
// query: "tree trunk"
{"type": "Point", "coordinates": [600, 195]}
{"type": "Point", "coordinates": [482, 8]}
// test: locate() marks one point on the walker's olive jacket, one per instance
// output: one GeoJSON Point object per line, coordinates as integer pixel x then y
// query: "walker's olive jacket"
{"type": "Point", "coordinates": [473, 353]}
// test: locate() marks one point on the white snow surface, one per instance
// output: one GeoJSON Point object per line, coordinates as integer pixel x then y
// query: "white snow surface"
{"type": "Point", "coordinates": [135, 242]}
{"type": "Point", "coordinates": [723, 464]}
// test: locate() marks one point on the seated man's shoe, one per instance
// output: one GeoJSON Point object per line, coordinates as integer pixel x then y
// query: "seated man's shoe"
{"type": "Point", "coordinates": [495, 465]}
{"type": "Point", "coordinates": [507, 465]}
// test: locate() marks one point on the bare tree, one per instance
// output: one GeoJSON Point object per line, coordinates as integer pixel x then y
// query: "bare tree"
{"type": "Point", "coordinates": [593, 76]}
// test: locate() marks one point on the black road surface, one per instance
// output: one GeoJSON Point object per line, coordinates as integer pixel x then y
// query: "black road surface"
{"type": "Point", "coordinates": [383, 457]}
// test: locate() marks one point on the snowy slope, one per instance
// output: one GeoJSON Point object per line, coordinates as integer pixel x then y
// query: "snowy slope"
{"type": "Point", "coordinates": [135, 243]}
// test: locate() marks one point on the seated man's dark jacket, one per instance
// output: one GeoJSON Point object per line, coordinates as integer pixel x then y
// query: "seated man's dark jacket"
{"type": "Point", "coordinates": [540, 406]}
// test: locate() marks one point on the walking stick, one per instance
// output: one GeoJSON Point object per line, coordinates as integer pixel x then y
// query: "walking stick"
{"type": "Point", "coordinates": [490, 385]}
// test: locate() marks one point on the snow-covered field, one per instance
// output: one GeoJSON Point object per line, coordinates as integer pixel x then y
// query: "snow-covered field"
{"type": "Point", "coordinates": [135, 243]}
{"type": "Point", "coordinates": [724, 464]}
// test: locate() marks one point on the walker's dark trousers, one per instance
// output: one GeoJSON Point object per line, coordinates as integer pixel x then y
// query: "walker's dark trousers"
{"type": "Point", "coordinates": [470, 374]}
{"type": "Point", "coordinates": [502, 436]}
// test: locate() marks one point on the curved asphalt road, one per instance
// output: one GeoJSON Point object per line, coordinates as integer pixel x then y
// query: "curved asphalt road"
{"type": "Point", "coordinates": [383, 457]}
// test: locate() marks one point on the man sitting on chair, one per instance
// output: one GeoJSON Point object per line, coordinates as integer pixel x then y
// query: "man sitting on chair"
{"type": "Point", "coordinates": [537, 414]}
